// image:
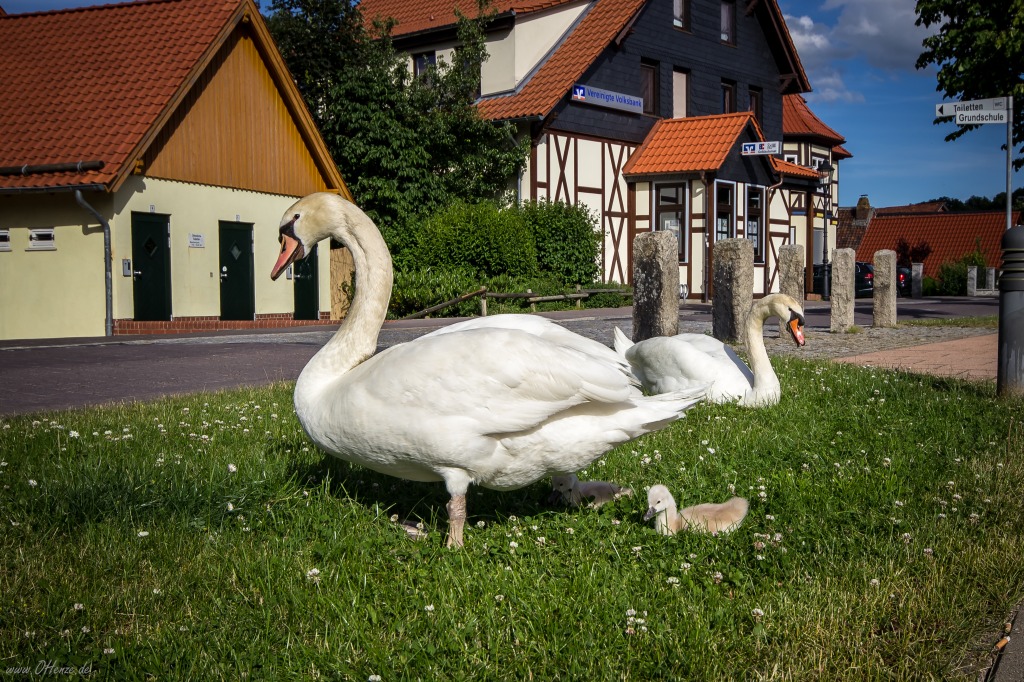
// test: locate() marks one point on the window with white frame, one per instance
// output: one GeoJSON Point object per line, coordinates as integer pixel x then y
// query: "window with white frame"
{"type": "Point", "coordinates": [670, 215]}
{"type": "Point", "coordinates": [681, 14]}
{"type": "Point", "coordinates": [754, 227]}
{"type": "Point", "coordinates": [790, 158]}
{"type": "Point", "coordinates": [5, 240]}
{"type": "Point", "coordinates": [41, 239]}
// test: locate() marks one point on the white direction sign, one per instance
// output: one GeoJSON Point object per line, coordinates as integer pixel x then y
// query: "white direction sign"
{"type": "Point", "coordinates": [753, 148]}
{"type": "Point", "coordinates": [954, 108]}
{"type": "Point", "coordinates": [970, 118]}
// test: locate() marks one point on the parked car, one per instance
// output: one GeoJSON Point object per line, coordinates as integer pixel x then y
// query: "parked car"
{"type": "Point", "coordinates": [863, 282]}
{"type": "Point", "coordinates": [903, 281]}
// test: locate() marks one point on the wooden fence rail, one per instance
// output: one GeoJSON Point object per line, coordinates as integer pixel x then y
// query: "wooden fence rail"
{"type": "Point", "coordinates": [533, 299]}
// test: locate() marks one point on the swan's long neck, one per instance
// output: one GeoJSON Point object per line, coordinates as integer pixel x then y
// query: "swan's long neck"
{"type": "Point", "coordinates": [356, 338]}
{"type": "Point", "coordinates": [765, 379]}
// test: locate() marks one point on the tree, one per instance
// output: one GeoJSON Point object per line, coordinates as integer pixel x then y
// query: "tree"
{"type": "Point", "coordinates": [979, 52]}
{"type": "Point", "coordinates": [406, 146]}
{"type": "Point", "coordinates": [907, 254]}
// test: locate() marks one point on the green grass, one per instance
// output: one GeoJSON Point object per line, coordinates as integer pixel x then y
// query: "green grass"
{"type": "Point", "coordinates": [983, 322]}
{"type": "Point", "coordinates": [884, 541]}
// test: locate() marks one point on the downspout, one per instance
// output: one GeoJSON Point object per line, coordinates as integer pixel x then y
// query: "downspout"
{"type": "Point", "coordinates": [107, 257]}
{"type": "Point", "coordinates": [705, 284]}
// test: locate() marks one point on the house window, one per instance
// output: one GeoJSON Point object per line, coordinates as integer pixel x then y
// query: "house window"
{"type": "Point", "coordinates": [755, 105]}
{"type": "Point", "coordinates": [725, 225]}
{"type": "Point", "coordinates": [680, 87]}
{"type": "Point", "coordinates": [681, 14]}
{"type": "Point", "coordinates": [41, 239]}
{"type": "Point", "coordinates": [791, 158]}
{"type": "Point", "coordinates": [755, 221]}
{"type": "Point", "coordinates": [728, 97]}
{"type": "Point", "coordinates": [729, 22]}
{"type": "Point", "coordinates": [5, 240]}
{"type": "Point", "coordinates": [670, 215]}
{"type": "Point", "coordinates": [422, 63]}
{"type": "Point", "coordinates": [649, 87]}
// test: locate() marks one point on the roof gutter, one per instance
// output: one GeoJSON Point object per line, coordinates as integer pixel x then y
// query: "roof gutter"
{"type": "Point", "coordinates": [64, 167]}
{"type": "Point", "coordinates": [107, 257]}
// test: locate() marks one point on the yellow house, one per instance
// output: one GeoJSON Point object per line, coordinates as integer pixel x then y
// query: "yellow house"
{"type": "Point", "coordinates": [147, 153]}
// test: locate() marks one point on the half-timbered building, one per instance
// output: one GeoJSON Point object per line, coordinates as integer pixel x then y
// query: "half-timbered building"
{"type": "Point", "coordinates": [656, 114]}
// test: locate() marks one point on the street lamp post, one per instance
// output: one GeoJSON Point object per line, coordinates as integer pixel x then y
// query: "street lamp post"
{"type": "Point", "coordinates": [825, 173]}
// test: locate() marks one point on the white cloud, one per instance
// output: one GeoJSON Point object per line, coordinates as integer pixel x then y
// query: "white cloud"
{"type": "Point", "coordinates": [845, 36]}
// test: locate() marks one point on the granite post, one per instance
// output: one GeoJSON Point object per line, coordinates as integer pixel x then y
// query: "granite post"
{"type": "Point", "coordinates": [844, 274]}
{"type": "Point", "coordinates": [884, 297]}
{"type": "Point", "coordinates": [734, 287]}
{"type": "Point", "coordinates": [655, 285]}
{"type": "Point", "coordinates": [791, 276]}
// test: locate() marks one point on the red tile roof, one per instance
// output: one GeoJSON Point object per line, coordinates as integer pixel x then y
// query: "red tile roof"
{"type": "Point", "coordinates": [89, 84]}
{"type": "Point", "coordinates": [412, 16]}
{"type": "Point", "coordinates": [689, 145]}
{"type": "Point", "coordinates": [794, 170]}
{"type": "Point", "coordinates": [950, 235]}
{"type": "Point", "coordinates": [552, 81]}
{"type": "Point", "coordinates": [799, 121]}
{"type": "Point", "coordinates": [923, 207]}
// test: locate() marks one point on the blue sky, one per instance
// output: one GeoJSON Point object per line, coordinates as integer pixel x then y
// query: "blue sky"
{"type": "Point", "coordinates": [859, 56]}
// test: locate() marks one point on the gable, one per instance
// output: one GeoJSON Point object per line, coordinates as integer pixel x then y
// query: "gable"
{"type": "Point", "coordinates": [81, 117]}
{"type": "Point", "coordinates": [234, 129]}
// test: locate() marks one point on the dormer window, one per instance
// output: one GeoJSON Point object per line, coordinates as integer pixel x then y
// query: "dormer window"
{"type": "Point", "coordinates": [729, 22]}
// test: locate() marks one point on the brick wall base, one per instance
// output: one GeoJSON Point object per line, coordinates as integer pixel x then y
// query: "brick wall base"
{"type": "Point", "coordinates": [184, 325]}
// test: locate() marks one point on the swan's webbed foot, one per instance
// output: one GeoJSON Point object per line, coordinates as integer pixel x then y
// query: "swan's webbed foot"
{"type": "Point", "coordinates": [456, 520]}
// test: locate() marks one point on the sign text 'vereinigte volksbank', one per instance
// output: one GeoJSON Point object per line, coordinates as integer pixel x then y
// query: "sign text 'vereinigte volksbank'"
{"type": "Point", "coordinates": [606, 98]}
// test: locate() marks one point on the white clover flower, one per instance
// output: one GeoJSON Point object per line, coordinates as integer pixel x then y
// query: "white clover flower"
{"type": "Point", "coordinates": [630, 612]}
{"type": "Point", "coordinates": [373, 678]}
{"type": "Point", "coordinates": [685, 566]}
{"type": "Point", "coordinates": [32, 482]}
{"type": "Point", "coordinates": [513, 544]}
{"type": "Point", "coordinates": [429, 608]}
{"type": "Point", "coordinates": [928, 551]}
{"type": "Point", "coordinates": [481, 524]}
{"type": "Point", "coordinates": [758, 614]}
{"type": "Point", "coordinates": [716, 577]}
{"type": "Point", "coordinates": [570, 531]}
{"type": "Point", "coordinates": [906, 538]}
{"type": "Point", "coordinates": [313, 574]}
{"type": "Point", "coordinates": [672, 580]}
{"type": "Point", "coordinates": [232, 468]}
{"type": "Point", "coordinates": [231, 507]}
{"type": "Point", "coordinates": [874, 582]}
{"type": "Point", "coordinates": [499, 598]}
{"type": "Point", "coordinates": [143, 533]}
{"type": "Point", "coordinates": [79, 607]}
{"type": "Point", "coordinates": [73, 434]}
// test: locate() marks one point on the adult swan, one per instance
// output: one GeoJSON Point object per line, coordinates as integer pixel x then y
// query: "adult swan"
{"type": "Point", "coordinates": [671, 363]}
{"type": "Point", "coordinates": [490, 404]}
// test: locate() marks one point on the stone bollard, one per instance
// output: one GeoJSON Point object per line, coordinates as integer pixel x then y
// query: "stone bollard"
{"type": "Point", "coordinates": [844, 272]}
{"type": "Point", "coordinates": [972, 280]}
{"type": "Point", "coordinates": [990, 279]}
{"type": "Point", "coordinates": [791, 276]}
{"type": "Point", "coordinates": [1010, 370]}
{"type": "Point", "coordinates": [883, 306]}
{"type": "Point", "coordinates": [916, 279]}
{"type": "Point", "coordinates": [655, 285]}
{"type": "Point", "coordinates": [734, 287]}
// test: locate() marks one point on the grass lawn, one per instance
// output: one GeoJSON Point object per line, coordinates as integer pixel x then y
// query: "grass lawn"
{"type": "Point", "coordinates": [204, 537]}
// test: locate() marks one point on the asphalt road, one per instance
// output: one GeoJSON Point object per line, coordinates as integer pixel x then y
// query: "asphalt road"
{"type": "Point", "coordinates": [54, 374]}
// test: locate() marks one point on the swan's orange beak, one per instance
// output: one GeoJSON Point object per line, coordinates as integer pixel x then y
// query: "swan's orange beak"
{"type": "Point", "coordinates": [796, 328]}
{"type": "Point", "coordinates": [291, 251]}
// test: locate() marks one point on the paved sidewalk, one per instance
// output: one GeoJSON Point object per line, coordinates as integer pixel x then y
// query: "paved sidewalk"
{"type": "Point", "coordinates": [975, 358]}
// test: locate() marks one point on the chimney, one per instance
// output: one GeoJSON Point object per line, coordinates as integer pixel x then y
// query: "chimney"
{"type": "Point", "coordinates": [863, 210]}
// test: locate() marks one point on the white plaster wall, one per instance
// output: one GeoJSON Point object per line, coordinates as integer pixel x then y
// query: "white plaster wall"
{"type": "Point", "coordinates": [51, 294]}
{"type": "Point", "coordinates": [198, 209]}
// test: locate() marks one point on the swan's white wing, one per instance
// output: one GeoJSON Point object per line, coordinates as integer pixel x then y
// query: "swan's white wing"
{"type": "Point", "coordinates": [667, 363]}
{"type": "Point", "coordinates": [541, 327]}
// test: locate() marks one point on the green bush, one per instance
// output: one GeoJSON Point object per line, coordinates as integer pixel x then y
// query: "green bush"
{"type": "Point", "coordinates": [480, 237]}
{"type": "Point", "coordinates": [567, 240]}
{"type": "Point", "coordinates": [952, 277]}
{"type": "Point", "coordinates": [417, 290]}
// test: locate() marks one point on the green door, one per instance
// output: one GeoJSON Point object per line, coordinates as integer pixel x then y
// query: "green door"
{"type": "Point", "coordinates": [307, 298]}
{"type": "Point", "coordinates": [151, 266]}
{"type": "Point", "coordinates": [237, 293]}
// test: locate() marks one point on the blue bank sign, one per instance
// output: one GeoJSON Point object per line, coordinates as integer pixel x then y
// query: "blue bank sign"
{"type": "Point", "coordinates": [605, 98]}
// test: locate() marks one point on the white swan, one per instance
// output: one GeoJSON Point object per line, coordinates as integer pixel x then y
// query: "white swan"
{"type": "Point", "coordinates": [671, 363]}
{"type": "Point", "coordinates": [497, 407]}
{"type": "Point", "coordinates": [709, 517]}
